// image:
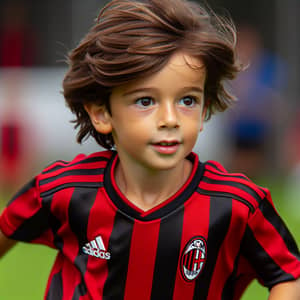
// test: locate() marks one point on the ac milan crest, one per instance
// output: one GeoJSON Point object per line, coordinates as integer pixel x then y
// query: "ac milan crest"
{"type": "Point", "coordinates": [193, 258]}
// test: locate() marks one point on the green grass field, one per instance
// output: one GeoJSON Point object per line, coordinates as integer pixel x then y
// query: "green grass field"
{"type": "Point", "coordinates": [24, 270]}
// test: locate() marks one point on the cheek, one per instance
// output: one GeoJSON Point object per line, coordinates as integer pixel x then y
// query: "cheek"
{"type": "Point", "coordinates": [131, 132]}
{"type": "Point", "coordinates": [192, 130]}
{"type": "Point", "coordinates": [194, 122]}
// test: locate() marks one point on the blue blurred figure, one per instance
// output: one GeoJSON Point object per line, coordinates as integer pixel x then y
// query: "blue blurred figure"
{"type": "Point", "coordinates": [253, 120]}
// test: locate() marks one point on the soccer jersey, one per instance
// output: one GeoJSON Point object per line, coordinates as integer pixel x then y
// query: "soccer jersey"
{"type": "Point", "coordinates": [208, 241]}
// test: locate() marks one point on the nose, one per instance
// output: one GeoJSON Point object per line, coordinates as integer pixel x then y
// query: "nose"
{"type": "Point", "coordinates": [168, 116]}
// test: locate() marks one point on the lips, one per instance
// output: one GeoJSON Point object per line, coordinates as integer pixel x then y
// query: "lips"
{"type": "Point", "coordinates": [166, 147]}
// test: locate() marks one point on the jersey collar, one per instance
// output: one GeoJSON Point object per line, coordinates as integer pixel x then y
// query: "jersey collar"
{"type": "Point", "coordinates": [161, 210]}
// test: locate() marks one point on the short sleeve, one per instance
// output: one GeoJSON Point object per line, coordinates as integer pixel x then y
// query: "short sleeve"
{"type": "Point", "coordinates": [26, 218]}
{"type": "Point", "coordinates": [269, 246]}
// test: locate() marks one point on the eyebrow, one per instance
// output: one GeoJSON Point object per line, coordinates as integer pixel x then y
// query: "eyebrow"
{"type": "Point", "coordinates": [193, 89]}
{"type": "Point", "coordinates": [185, 89]}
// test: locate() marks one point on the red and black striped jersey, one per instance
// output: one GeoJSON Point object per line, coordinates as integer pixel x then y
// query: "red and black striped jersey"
{"type": "Point", "coordinates": [208, 241]}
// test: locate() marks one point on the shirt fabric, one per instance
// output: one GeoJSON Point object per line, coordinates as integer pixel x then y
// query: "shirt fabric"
{"type": "Point", "coordinates": [207, 241]}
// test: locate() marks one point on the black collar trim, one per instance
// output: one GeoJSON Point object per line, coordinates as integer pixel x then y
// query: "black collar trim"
{"type": "Point", "coordinates": [161, 210]}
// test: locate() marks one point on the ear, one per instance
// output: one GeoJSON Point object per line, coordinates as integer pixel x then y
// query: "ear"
{"type": "Point", "coordinates": [99, 117]}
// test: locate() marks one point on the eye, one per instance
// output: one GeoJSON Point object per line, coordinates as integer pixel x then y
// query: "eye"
{"type": "Point", "coordinates": [144, 102]}
{"type": "Point", "coordinates": [188, 101]}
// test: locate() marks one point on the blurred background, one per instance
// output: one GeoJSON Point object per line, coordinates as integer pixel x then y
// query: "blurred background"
{"type": "Point", "coordinates": [258, 136]}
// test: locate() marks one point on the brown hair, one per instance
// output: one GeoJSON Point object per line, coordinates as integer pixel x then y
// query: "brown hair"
{"type": "Point", "coordinates": [136, 38]}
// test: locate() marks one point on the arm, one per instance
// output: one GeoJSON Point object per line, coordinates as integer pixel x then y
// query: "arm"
{"type": "Point", "coordinates": [5, 244]}
{"type": "Point", "coordinates": [286, 290]}
{"type": "Point", "coordinates": [272, 252]}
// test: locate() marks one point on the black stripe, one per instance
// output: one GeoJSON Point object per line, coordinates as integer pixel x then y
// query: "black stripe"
{"type": "Point", "coordinates": [55, 225]}
{"type": "Point", "coordinates": [57, 167]}
{"type": "Point", "coordinates": [167, 256]}
{"type": "Point", "coordinates": [263, 264]}
{"type": "Point", "coordinates": [226, 195]}
{"type": "Point", "coordinates": [219, 220]}
{"type": "Point", "coordinates": [232, 183]}
{"type": "Point", "coordinates": [23, 190]}
{"type": "Point", "coordinates": [234, 175]}
{"type": "Point", "coordinates": [272, 216]}
{"type": "Point", "coordinates": [79, 291]}
{"type": "Point", "coordinates": [72, 184]}
{"type": "Point", "coordinates": [34, 226]}
{"type": "Point", "coordinates": [79, 172]}
{"type": "Point", "coordinates": [54, 222]}
{"type": "Point", "coordinates": [80, 206]}
{"type": "Point", "coordinates": [68, 164]}
{"type": "Point", "coordinates": [56, 288]}
{"type": "Point", "coordinates": [119, 247]}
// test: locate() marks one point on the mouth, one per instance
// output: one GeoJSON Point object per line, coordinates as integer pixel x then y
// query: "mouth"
{"type": "Point", "coordinates": [166, 147]}
{"type": "Point", "coordinates": [165, 143]}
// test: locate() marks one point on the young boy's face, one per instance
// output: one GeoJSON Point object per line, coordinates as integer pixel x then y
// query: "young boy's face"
{"type": "Point", "coordinates": [155, 120]}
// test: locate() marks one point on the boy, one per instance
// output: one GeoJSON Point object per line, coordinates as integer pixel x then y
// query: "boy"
{"type": "Point", "coordinates": [147, 220]}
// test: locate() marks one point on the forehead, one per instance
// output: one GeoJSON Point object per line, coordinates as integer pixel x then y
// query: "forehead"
{"type": "Point", "coordinates": [182, 59]}
{"type": "Point", "coordinates": [182, 70]}
{"type": "Point", "coordinates": [188, 67]}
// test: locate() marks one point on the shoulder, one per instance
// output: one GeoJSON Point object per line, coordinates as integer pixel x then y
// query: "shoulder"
{"type": "Point", "coordinates": [217, 181]}
{"type": "Point", "coordinates": [82, 171]}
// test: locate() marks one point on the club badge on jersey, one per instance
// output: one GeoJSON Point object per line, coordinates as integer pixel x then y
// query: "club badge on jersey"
{"type": "Point", "coordinates": [193, 258]}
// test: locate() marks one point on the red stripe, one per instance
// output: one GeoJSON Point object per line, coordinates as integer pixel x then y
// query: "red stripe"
{"type": "Point", "coordinates": [228, 251]}
{"type": "Point", "coordinates": [142, 260]}
{"type": "Point", "coordinates": [228, 189]}
{"type": "Point", "coordinates": [71, 278]}
{"type": "Point", "coordinates": [66, 168]}
{"type": "Point", "coordinates": [60, 208]}
{"type": "Point", "coordinates": [217, 166]}
{"type": "Point", "coordinates": [209, 168]}
{"type": "Point", "coordinates": [101, 221]}
{"type": "Point", "coordinates": [78, 158]}
{"type": "Point", "coordinates": [106, 154]}
{"type": "Point", "coordinates": [57, 266]}
{"type": "Point", "coordinates": [195, 223]}
{"type": "Point", "coordinates": [71, 179]}
{"type": "Point", "coordinates": [64, 163]}
{"type": "Point", "coordinates": [238, 180]}
{"type": "Point", "coordinates": [272, 242]}
{"type": "Point", "coordinates": [5, 226]}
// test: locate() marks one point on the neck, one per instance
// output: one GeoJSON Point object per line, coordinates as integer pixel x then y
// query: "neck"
{"type": "Point", "coordinates": [146, 188]}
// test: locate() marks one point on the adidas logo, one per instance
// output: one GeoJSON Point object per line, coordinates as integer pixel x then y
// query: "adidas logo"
{"type": "Point", "coordinates": [96, 248]}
